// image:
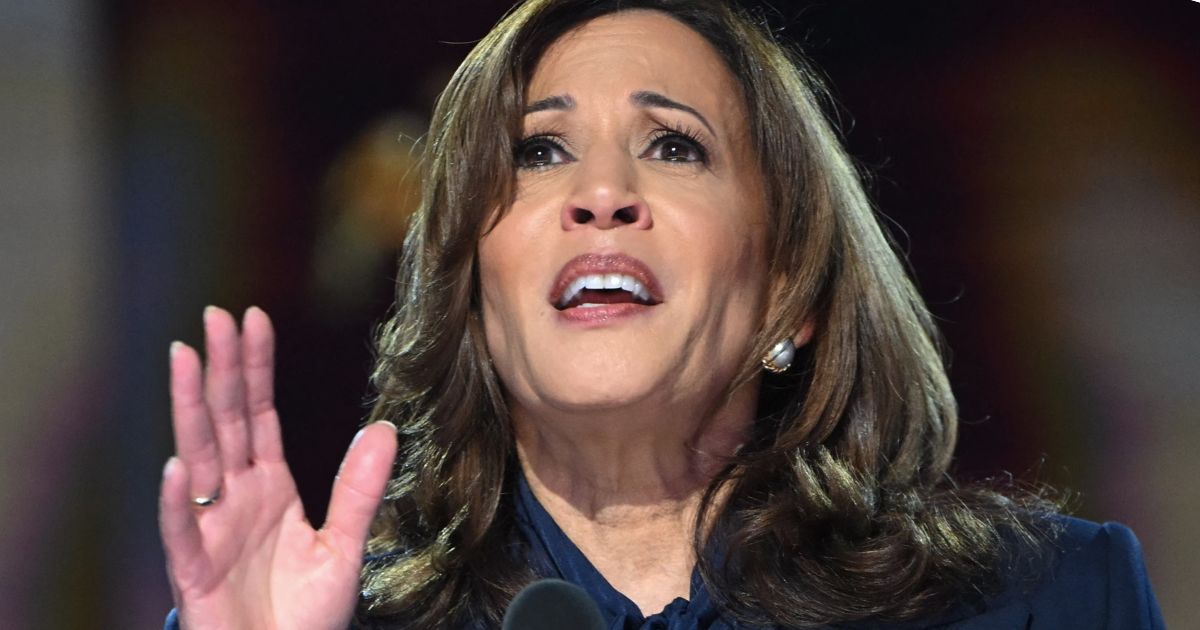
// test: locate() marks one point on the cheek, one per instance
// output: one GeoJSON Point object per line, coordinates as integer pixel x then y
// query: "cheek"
{"type": "Point", "coordinates": [738, 270]}
{"type": "Point", "coordinates": [495, 300]}
{"type": "Point", "coordinates": [507, 264]}
{"type": "Point", "coordinates": [727, 246]}
{"type": "Point", "coordinates": [724, 247]}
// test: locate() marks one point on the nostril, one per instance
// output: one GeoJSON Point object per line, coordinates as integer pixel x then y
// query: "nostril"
{"type": "Point", "coordinates": [581, 216]}
{"type": "Point", "coordinates": [607, 217]}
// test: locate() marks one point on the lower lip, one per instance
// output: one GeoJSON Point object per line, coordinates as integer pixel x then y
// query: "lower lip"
{"type": "Point", "coordinates": [603, 314]}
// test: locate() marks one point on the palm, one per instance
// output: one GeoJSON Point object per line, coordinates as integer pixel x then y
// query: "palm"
{"type": "Point", "coordinates": [252, 559]}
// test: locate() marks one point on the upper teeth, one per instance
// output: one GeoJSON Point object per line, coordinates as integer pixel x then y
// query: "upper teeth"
{"type": "Point", "coordinates": [604, 281]}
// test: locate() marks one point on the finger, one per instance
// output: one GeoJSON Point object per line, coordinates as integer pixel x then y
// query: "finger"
{"type": "Point", "coordinates": [258, 356]}
{"type": "Point", "coordinates": [224, 388]}
{"type": "Point", "coordinates": [187, 562]}
{"type": "Point", "coordinates": [195, 443]}
{"type": "Point", "coordinates": [359, 488]}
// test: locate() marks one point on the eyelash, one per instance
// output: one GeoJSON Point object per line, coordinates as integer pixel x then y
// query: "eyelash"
{"type": "Point", "coordinates": [547, 138]}
{"type": "Point", "coordinates": [688, 135]}
{"type": "Point", "coordinates": [684, 133]}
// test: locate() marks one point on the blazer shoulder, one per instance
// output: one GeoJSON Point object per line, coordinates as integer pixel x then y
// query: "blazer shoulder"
{"type": "Point", "coordinates": [1096, 578]}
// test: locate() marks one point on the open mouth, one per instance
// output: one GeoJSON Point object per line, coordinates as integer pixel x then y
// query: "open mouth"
{"type": "Point", "coordinates": [599, 289]}
{"type": "Point", "coordinates": [597, 280]}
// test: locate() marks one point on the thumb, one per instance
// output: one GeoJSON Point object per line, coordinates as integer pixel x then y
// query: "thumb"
{"type": "Point", "coordinates": [359, 487]}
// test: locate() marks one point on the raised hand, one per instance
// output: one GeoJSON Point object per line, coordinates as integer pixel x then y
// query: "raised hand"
{"type": "Point", "coordinates": [240, 553]}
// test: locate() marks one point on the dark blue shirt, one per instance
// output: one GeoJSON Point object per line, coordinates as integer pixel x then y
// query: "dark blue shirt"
{"type": "Point", "coordinates": [552, 554]}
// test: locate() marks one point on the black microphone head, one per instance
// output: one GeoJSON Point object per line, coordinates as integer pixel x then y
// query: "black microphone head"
{"type": "Point", "coordinates": [552, 605]}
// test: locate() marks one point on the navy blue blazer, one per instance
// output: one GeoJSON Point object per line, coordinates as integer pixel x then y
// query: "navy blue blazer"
{"type": "Point", "coordinates": [1093, 577]}
{"type": "Point", "coordinates": [1096, 580]}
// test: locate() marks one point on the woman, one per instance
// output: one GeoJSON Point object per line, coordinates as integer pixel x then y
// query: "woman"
{"type": "Point", "coordinates": [649, 339]}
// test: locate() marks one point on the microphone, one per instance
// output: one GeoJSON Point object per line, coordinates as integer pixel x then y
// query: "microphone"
{"type": "Point", "coordinates": [552, 605]}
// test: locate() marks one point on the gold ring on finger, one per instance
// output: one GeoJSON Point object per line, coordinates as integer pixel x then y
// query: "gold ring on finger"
{"type": "Point", "coordinates": [209, 500]}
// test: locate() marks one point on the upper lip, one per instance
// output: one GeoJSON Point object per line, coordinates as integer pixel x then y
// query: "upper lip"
{"type": "Point", "coordinates": [589, 264]}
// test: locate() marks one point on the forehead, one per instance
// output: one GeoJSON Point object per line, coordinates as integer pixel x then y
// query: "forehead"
{"type": "Point", "coordinates": [633, 50]}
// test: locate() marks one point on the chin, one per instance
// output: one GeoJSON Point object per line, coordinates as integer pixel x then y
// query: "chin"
{"type": "Point", "coordinates": [594, 398]}
{"type": "Point", "coordinates": [594, 383]}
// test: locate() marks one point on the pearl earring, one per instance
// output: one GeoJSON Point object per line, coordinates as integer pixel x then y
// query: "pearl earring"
{"type": "Point", "coordinates": [779, 359]}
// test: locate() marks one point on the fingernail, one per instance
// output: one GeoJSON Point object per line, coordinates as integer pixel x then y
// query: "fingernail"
{"type": "Point", "coordinates": [170, 467]}
{"type": "Point", "coordinates": [389, 424]}
{"type": "Point", "coordinates": [208, 312]}
{"type": "Point", "coordinates": [176, 346]}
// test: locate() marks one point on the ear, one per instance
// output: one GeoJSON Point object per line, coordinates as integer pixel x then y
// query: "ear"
{"type": "Point", "coordinates": [804, 335]}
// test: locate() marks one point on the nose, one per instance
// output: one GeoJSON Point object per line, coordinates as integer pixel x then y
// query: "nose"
{"type": "Point", "coordinates": [604, 195]}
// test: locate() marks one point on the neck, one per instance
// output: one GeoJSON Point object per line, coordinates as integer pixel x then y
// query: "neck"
{"type": "Point", "coordinates": [602, 464]}
{"type": "Point", "coordinates": [625, 485]}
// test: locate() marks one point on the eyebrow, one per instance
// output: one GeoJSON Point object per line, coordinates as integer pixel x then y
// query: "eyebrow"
{"type": "Point", "coordinates": [558, 102]}
{"type": "Point", "coordinates": [654, 99]}
{"type": "Point", "coordinates": [643, 98]}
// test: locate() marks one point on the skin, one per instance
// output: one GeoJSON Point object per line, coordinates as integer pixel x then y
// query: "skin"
{"type": "Point", "coordinates": [253, 560]}
{"type": "Point", "coordinates": [620, 426]}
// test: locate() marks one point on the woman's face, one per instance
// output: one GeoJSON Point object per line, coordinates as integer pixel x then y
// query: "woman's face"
{"type": "Point", "coordinates": [635, 174]}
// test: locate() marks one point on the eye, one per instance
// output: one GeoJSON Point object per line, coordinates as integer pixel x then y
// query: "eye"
{"type": "Point", "coordinates": [539, 152]}
{"type": "Point", "coordinates": [675, 145]}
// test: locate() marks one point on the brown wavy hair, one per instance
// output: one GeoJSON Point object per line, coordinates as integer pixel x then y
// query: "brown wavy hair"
{"type": "Point", "coordinates": [840, 505]}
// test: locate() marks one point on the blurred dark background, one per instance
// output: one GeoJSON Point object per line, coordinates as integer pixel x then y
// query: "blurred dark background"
{"type": "Point", "coordinates": [1039, 164]}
